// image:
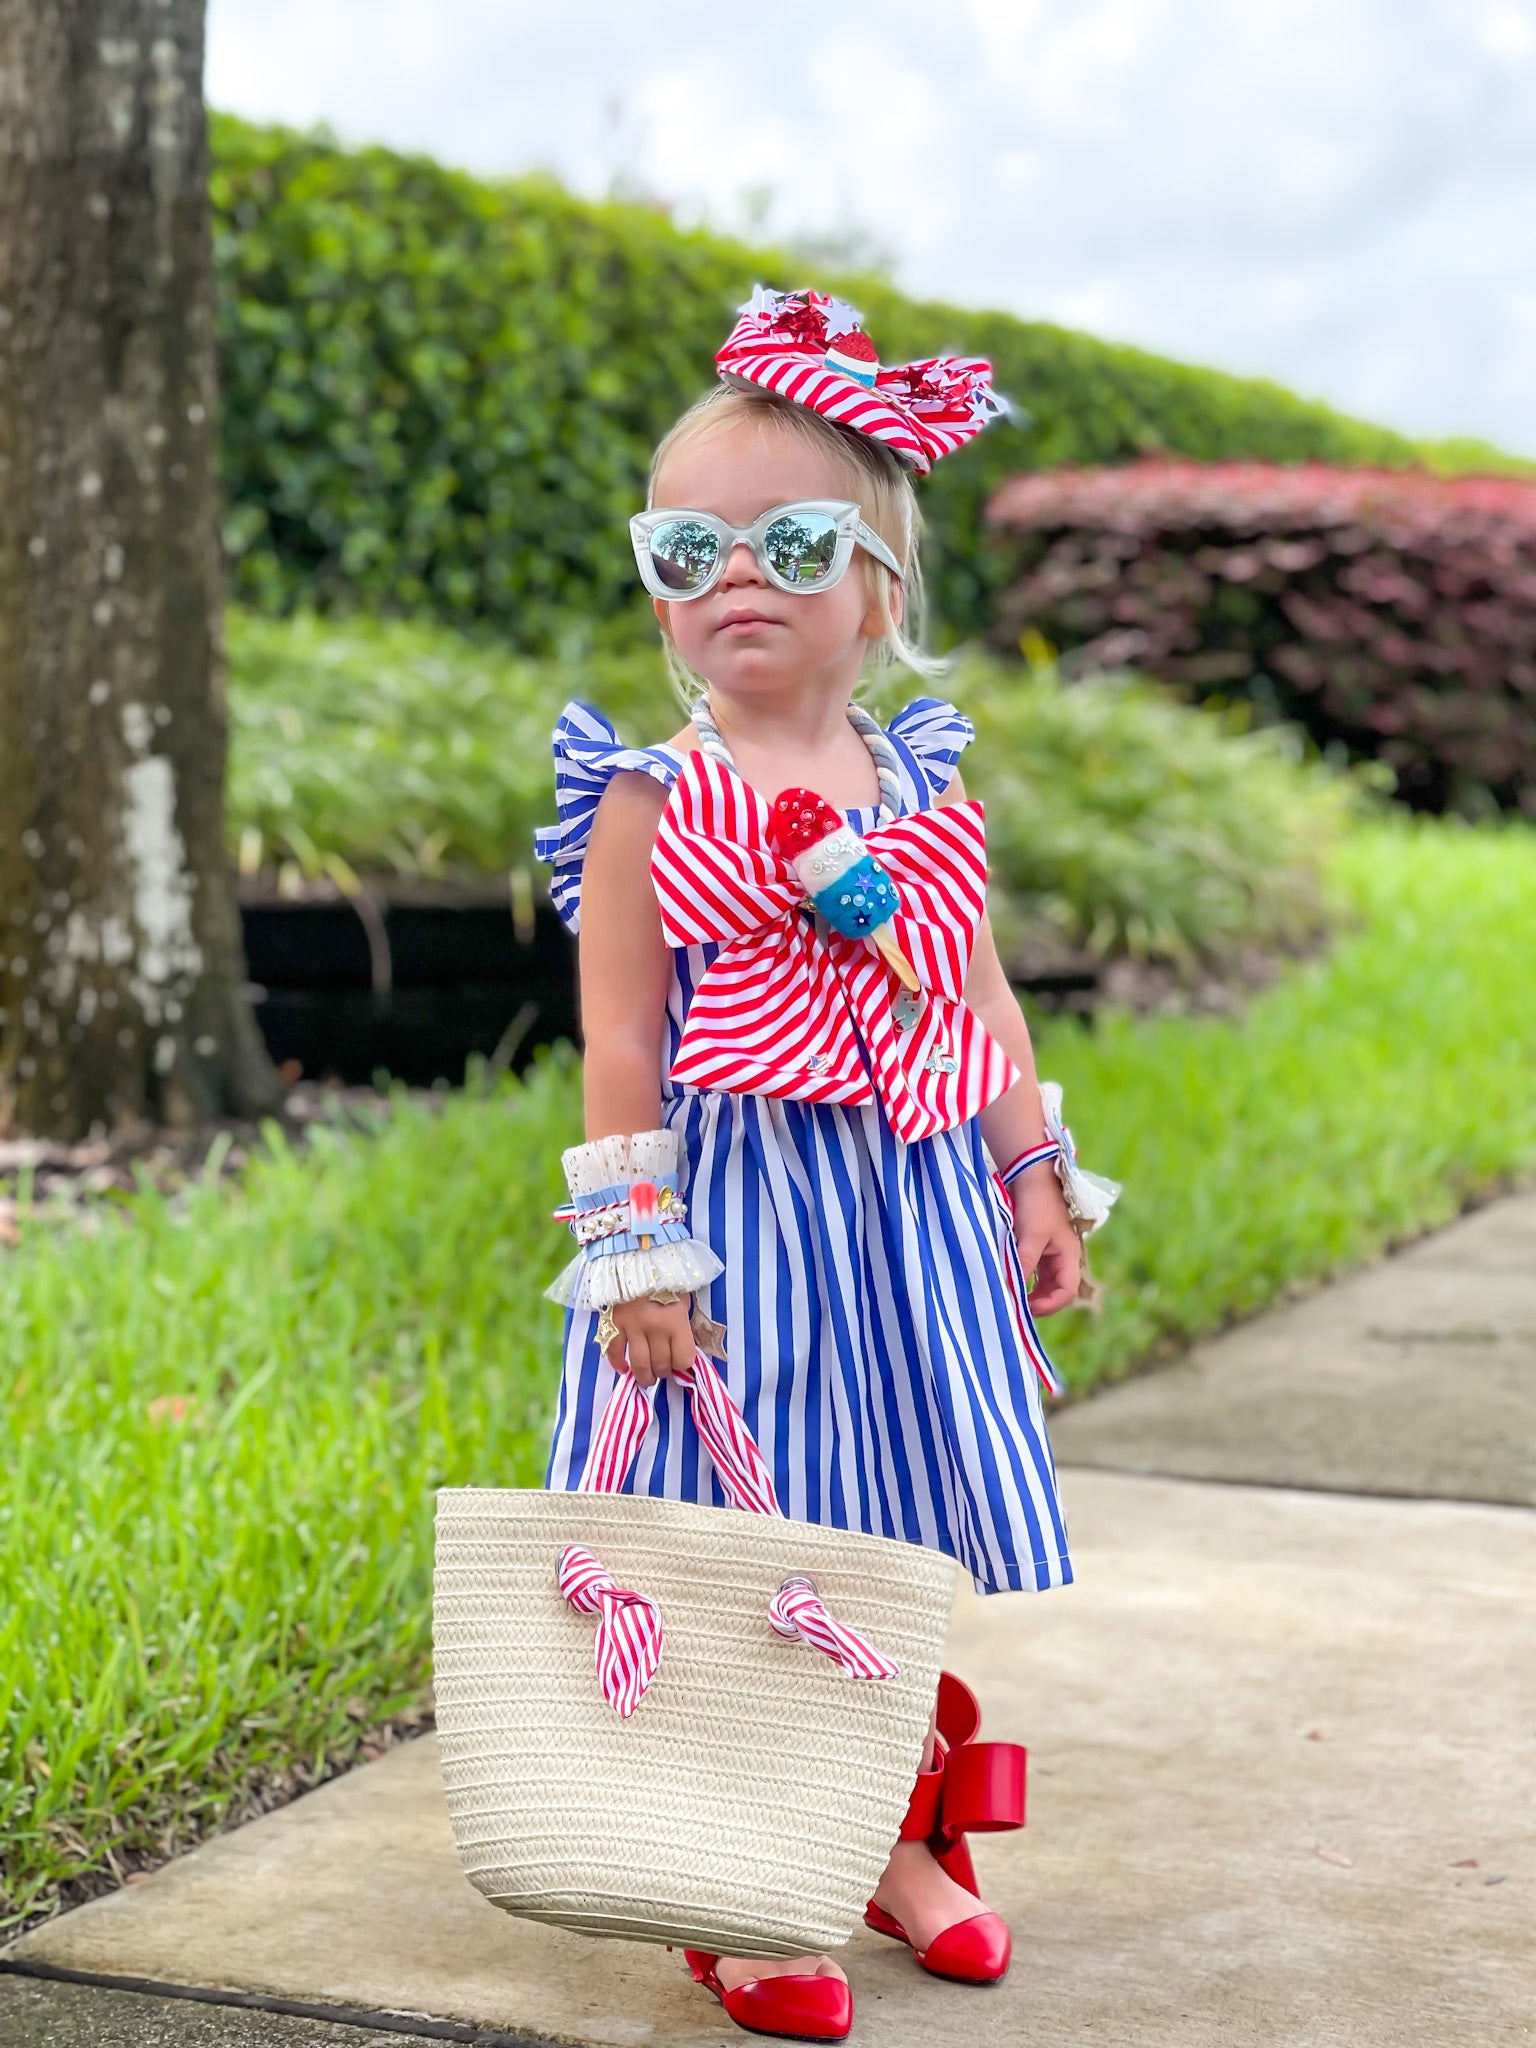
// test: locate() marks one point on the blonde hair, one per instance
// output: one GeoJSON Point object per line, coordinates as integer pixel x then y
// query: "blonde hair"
{"type": "Point", "coordinates": [878, 484]}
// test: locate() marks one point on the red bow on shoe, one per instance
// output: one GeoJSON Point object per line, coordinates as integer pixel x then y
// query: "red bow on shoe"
{"type": "Point", "coordinates": [789, 1010]}
{"type": "Point", "coordinates": [974, 1787]}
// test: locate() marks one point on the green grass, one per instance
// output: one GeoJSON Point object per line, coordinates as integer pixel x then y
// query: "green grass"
{"type": "Point", "coordinates": [195, 1601]}
{"type": "Point", "coordinates": [198, 1598]}
{"type": "Point", "coordinates": [1364, 1098]}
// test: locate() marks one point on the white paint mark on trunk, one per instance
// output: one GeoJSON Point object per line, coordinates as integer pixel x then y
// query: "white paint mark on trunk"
{"type": "Point", "coordinates": [168, 956]}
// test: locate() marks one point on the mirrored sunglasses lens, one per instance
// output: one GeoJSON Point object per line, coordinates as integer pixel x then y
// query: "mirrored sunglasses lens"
{"type": "Point", "coordinates": [800, 547]}
{"type": "Point", "coordinates": [683, 553]}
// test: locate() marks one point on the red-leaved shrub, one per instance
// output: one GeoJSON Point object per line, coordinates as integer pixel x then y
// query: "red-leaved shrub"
{"type": "Point", "coordinates": [1392, 611]}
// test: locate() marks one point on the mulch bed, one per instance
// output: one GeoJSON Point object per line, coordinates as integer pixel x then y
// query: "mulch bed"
{"type": "Point", "coordinates": [42, 1182]}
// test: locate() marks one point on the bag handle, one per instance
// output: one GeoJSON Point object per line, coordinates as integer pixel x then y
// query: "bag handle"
{"type": "Point", "coordinates": [722, 1429]}
{"type": "Point", "coordinates": [628, 1648]}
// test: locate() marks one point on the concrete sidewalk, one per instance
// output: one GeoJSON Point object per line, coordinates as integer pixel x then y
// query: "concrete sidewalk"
{"type": "Point", "coordinates": [1416, 1376]}
{"type": "Point", "coordinates": [1281, 1760]}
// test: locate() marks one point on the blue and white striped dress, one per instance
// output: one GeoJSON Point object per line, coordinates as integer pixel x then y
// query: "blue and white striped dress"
{"type": "Point", "coordinates": [872, 1338]}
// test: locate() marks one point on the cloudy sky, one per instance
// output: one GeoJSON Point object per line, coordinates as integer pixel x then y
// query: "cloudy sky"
{"type": "Point", "coordinates": [1337, 193]}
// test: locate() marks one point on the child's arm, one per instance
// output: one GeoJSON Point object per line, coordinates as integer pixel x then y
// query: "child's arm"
{"type": "Point", "coordinates": [1048, 1245]}
{"type": "Point", "coordinates": [624, 968]}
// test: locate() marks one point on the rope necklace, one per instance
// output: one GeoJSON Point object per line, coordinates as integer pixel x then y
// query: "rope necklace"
{"type": "Point", "coordinates": [881, 752]}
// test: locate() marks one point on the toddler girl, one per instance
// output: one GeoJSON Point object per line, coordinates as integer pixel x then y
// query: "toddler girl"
{"type": "Point", "coordinates": [835, 1134]}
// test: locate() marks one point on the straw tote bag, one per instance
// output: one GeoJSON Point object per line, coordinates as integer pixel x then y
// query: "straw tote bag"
{"type": "Point", "coordinates": [677, 1723]}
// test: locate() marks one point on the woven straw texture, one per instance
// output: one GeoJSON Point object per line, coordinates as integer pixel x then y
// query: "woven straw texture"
{"type": "Point", "coordinates": [749, 1805]}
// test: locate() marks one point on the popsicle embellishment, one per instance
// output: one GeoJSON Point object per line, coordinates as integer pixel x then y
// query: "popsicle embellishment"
{"type": "Point", "coordinates": [644, 1220]}
{"type": "Point", "coordinates": [854, 355]}
{"type": "Point", "coordinates": [838, 873]}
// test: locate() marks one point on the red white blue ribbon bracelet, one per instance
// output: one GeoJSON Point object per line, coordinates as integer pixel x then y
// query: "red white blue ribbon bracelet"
{"type": "Point", "coordinates": [1034, 1156]}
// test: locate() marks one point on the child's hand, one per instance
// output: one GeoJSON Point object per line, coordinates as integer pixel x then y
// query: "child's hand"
{"type": "Point", "coordinates": [1048, 1245]}
{"type": "Point", "coordinates": [658, 1336]}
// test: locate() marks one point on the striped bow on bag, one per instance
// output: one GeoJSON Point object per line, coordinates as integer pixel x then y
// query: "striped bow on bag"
{"type": "Point", "coordinates": [676, 1723]}
{"type": "Point", "coordinates": [630, 1633]}
{"type": "Point", "coordinates": [789, 1002]}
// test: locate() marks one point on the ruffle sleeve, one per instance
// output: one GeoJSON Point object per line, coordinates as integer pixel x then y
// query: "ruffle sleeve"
{"type": "Point", "coordinates": [932, 734]}
{"type": "Point", "coordinates": [588, 754]}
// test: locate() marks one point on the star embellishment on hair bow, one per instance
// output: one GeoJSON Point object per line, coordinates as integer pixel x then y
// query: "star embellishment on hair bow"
{"type": "Point", "coordinates": [791, 1006]}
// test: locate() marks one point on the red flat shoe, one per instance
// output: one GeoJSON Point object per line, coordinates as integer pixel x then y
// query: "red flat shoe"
{"type": "Point", "coordinates": [801, 2008]}
{"type": "Point", "coordinates": [974, 1951]}
{"type": "Point", "coordinates": [972, 1786]}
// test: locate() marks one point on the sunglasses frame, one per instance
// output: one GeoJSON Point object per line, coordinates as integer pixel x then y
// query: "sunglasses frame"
{"type": "Point", "coordinates": [852, 531]}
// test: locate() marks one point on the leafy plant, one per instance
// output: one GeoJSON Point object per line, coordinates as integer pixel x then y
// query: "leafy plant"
{"type": "Point", "coordinates": [1393, 616]}
{"type": "Point", "coordinates": [1119, 822]}
{"type": "Point", "coordinates": [383, 746]}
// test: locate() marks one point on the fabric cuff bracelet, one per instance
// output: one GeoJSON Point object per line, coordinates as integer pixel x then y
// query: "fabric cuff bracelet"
{"type": "Point", "coordinates": [1089, 1196]}
{"type": "Point", "coordinates": [1035, 1156]}
{"type": "Point", "coordinates": [631, 1223]}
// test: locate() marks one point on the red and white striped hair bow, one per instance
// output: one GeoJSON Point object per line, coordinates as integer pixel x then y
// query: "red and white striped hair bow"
{"type": "Point", "coordinates": [627, 1648]}
{"type": "Point", "coordinates": [811, 348]}
{"type": "Point", "coordinates": [788, 1010]}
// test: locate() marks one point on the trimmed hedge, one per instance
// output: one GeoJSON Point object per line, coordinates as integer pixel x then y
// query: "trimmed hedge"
{"type": "Point", "coordinates": [1391, 615]}
{"type": "Point", "coordinates": [442, 392]}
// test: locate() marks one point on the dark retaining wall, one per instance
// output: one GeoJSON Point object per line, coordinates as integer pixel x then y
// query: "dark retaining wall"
{"type": "Point", "coordinates": [411, 983]}
{"type": "Point", "coordinates": [414, 980]}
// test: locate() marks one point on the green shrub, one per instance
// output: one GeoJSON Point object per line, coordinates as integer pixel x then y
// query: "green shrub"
{"type": "Point", "coordinates": [398, 747]}
{"type": "Point", "coordinates": [1390, 615]}
{"type": "Point", "coordinates": [442, 392]}
{"type": "Point", "coordinates": [1119, 821]}
{"type": "Point", "coordinates": [1121, 824]}
{"type": "Point", "coordinates": [383, 746]}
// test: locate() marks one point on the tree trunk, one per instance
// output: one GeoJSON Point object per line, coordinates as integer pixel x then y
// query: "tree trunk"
{"type": "Point", "coordinates": [121, 965]}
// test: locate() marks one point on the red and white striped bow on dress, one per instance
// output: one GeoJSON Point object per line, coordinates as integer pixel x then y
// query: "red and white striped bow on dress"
{"type": "Point", "coordinates": [791, 1010]}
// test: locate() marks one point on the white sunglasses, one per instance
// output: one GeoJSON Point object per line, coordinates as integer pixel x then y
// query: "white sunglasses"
{"type": "Point", "coordinates": [802, 547]}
